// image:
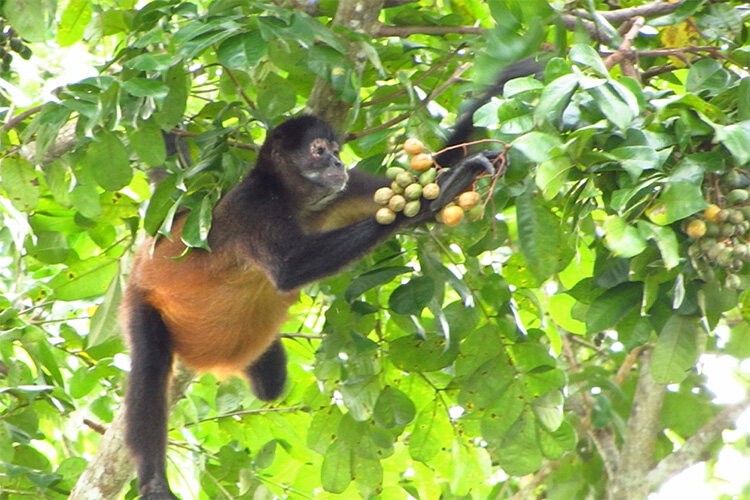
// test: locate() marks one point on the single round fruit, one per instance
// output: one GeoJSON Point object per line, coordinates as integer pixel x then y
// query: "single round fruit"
{"type": "Point", "coordinates": [696, 229]}
{"type": "Point", "coordinates": [383, 195]}
{"type": "Point", "coordinates": [733, 282]}
{"type": "Point", "coordinates": [397, 203]}
{"type": "Point", "coordinates": [475, 213]}
{"type": "Point", "coordinates": [412, 208]}
{"type": "Point", "coordinates": [397, 188]}
{"type": "Point", "coordinates": [404, 179]}
{"type": "Point", "coordinates": [738, 196]}
{"type": "Point", "coordinates": [413, 146]}
{"type": "Point", "coordinates": [431, 191]}
{"type": "Point", "coordinates": [421, 162]}
{"type": "Point", "coordinates": [711, 213]}
{"type": "Point", "coordinates": [468, 200]}
{"type": "Point", "coordinates": [452, 215]}
{"type": "Point", "coordinates": [385, 216]}
{"type": "Point", "coordinates": [392, 172]}
{"type": "Point", "coordinates": [428, 176]}
{"type": "Point", "coordinates": [735, 216]}
{"type": "Point", "coordinates": [413, 191]}
{"type": "Point", "coordinates": [722, 215]}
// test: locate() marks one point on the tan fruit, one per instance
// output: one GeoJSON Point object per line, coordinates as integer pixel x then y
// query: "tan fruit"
{"type": "Point", "coordinates": [413, 191]}
{"type": "Point", "coordinates": [383, 195]}
{"type": "Point", "coordinates": [696, 229]}
{"type": "Point", "coordinates": [452, 215]}
{"type": "Point", "coordinates": [411, 209]}
{"type": "Point", "coordinates": [421, 162]}
{"type": "Point", "coordinates": [711, 212]}
{"type": "Point", "coordinates": [397, 203]}
{"type": "Point", "coordinates": [385, 216]}
{"type": "Point", "coordinates": [468, 200]}
{"type": "Point", "coordinates": [431, 191]}
{"type": "Point", "coordinates": [413, 146]}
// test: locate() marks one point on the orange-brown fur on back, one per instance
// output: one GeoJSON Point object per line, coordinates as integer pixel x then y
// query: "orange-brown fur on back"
{"type": "Point", "coordinates": [221, 313]}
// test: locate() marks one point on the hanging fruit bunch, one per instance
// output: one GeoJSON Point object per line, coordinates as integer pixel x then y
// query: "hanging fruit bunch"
{"type": "Point", "coordinates": [10, 43]}
{"type": "Point", "coordinates": [721, 233]}
{"type": "Point", "coordinates": [411, 186]}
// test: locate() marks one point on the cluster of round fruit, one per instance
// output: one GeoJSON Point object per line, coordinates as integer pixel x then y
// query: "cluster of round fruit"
{"type": "Point", "coordinates": [410, 185]}
{"type": "Point", "coordinates": [721, 235]}
{"type": "Point", "coordinates": [10, 42]}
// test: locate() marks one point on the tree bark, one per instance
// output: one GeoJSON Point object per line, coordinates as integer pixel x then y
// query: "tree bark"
{"type": "Point", "coordinates": [357, 15]}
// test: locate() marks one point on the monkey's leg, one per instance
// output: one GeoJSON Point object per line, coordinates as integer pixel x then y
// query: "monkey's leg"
{"type": "Point", "coordinates": [146, 398]}
{"type": "Point", "coordinates": [267, 374]}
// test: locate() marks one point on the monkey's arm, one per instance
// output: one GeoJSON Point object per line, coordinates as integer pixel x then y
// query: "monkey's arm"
{"type": "Point", "coordinates": [302, 258]}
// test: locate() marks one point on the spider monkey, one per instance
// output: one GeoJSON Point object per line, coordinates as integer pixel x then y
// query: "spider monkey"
{"type": "Point", "coordinates": [297, 217]}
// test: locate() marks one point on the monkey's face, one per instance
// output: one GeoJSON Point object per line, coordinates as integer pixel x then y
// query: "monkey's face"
{"type": "Point", "coordinates": [323, 167]}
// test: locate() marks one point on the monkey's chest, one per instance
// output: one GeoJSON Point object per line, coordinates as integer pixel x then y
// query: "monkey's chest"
{"type": "Point", "coordinates": [221, 321]}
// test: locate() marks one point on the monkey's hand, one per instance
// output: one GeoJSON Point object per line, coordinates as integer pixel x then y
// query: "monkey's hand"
{"type": "Point", "coordinates": [460, 177]}
{"type": "Point", "coordinates": [454, 181]}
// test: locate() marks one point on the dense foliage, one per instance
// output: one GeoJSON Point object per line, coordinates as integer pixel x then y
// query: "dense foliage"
{"type": "Point", "coordinates": [501, 356]}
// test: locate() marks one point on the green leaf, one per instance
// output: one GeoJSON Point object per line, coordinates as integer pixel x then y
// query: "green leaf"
{"type": "Point", "coordinates": [431, 429]}
{"type": "Point", "coordinates": [85, 279]}
{"type": "Point", "coordinates": [536, 146]}
{"type": "Point", "coordinates": [105, 322]}
{"type": "Point", "coordinates": [541, 237]}
{"type": "Point", "coordinates": [173, 106]}
{"type": "Point", "coordinates": [83, 381]}
{"type": "Point", "coordinates": [666, 241]}
{"type": "Point", "coordinates": [416, 353]}
{"type": "Point", "coordinates": [736, 138]}
{"type": "Point", "coordinates": [623, 239]}
{"type": "Point", "coordinates": [242, 51]}
{"type": "Point", "coordinates": [198, 224]}
{"type": "Point", "coordinates": [323, 429]}
{"type": "Point", "coordinates": [678, 201]}
{"type": "Point", "coordinates": [85, 199]}
{"type": "Point", "coordinates": [613, 305]}
{"type": "Point", "coordinates": [373, 278]}
{"type": "Point", "coordinates": [147, 142]}
{"type": "Point", "coordinates": [160, 204]}
{"type": "Point", "coordinates": [20, 182]}
{"type": "Point", "coordinates": [276, 95]}
{"type": "Point", "coordinates": [29, 18]}
{"type": "Point", "coordinates": [106, 160]}
{"type": "Point", "coordinates": [676, 350]}
{"type": "Point", "coordinates": [336, 470]}
{"type": "Point", "coordinates": [554, 99]}
{"type": "Point", "coordinates": [585, 55]}
{"type": "Point", "coordinates": [548, 410]}
{"type": "Point", "coordinates": [520, 453]}
{"type": "Point", "coordinates": [73, 22]}
{"type": "Point", "coordinates": [143, 87]}
{"type": "Point", "coordinates": [552, 175]}
{"type": "Point", "coordinates": [393, 409]}
{"type": "Point", "coordinates": [413, 296]}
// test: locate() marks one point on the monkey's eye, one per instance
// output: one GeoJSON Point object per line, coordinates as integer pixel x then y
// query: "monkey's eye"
{"type": "Point", "coordinates": [320, 150]}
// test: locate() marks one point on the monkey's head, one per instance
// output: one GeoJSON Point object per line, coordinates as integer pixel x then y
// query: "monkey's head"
{"type": "Point", "coordinates": [304, 152]}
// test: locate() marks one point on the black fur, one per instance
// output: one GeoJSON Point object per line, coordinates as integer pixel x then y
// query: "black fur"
{"type": "Point", "coordinates": [146, 396]}
{"type": "Point", "coordinates": [267, 374]}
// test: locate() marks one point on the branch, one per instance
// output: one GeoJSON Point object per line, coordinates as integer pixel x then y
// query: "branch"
{"type": "Point", "coordinates": [654, 9]}
{"type": "Point", "coordinates": [405, 31]}
{"type": "Point", "coordinates": [625, 50]}
{"type": "Point", "coordinates": [637, 451]}
{"type": "Point", "coordinates": [360, 17]}
{"type": "Point", "coordinates": [692, 450]}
